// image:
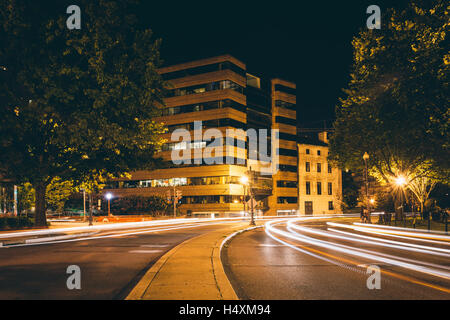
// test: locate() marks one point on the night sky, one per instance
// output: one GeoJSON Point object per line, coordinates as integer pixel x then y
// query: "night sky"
{"type": "Point", "coordinates": [308, 43]}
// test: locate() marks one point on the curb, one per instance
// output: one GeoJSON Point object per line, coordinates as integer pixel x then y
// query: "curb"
{"type": "Point", "coordinates": [223, 283]}
{"type": "Point", "coordinates": [224, 286]}
{"type": "Point", "coordinates": [139, 290]}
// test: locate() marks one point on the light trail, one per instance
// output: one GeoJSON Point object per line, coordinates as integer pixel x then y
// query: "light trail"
{"type": "Point", "coordinates": [352, 251]}
{"type": "Point", "coordinates": [371, 231]}
{"type": "Point", "coordinates": [126, 233]}
{"type": "Point", "coordinates": [398, 245]}
{"type": "Point", "coordinates": [399, 228]}
{"type": "Point", "coordinates": [391, 241]}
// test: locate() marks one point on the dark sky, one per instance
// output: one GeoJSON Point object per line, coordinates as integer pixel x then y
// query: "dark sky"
{"type": "Point", "coordinates": [303, 41]}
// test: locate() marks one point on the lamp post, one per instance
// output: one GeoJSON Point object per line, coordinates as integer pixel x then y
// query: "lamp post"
{"type": "Point", "coordinates": [108, 197]}
{"type": "Point", "coordinates": [400, 181]}
{"type": "Point", "coordinates": [246, 181]}
{"type": "Point", "coordinates": [365, 158]}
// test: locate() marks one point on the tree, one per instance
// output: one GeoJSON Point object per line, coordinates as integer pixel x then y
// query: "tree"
{"type": "Point", "coordinates": [25, 197]}
{"type": "Point", "coordinates": [396, 104]}
{"type": "Point", "coordinates": [74, 101]}
{"type": "Point", "coordinates": [58, 192]}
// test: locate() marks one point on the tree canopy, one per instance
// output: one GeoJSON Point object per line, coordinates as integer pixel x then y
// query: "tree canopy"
{"type": "Point", "coordinates": [396, 106]}
{"type": "Point", "coordinates": [74, 101]}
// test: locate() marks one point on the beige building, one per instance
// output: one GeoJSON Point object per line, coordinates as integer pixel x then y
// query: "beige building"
{"type": "Point", "coordinates": [221, 93]}
{"type": "Point", "coordinates": [320, 184]}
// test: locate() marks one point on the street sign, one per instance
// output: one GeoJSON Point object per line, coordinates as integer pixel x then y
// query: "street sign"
{"type": "Point", "coordinates": [249, 203]}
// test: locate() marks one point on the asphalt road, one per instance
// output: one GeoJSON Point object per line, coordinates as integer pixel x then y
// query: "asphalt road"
{"type": "Point", "coordinates": [331, 262]}
{"type": "Point", "coordinates": [111, 262]}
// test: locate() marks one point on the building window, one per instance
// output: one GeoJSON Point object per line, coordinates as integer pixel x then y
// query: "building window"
{"type": "Point", "coordinates": [318, 152]}
{"type": "Point", "coordinates": [286, 184]}
{"type": "Point", "coordinates": [329, 168]}
{"type": "Point", "coordinates": [288, 168]}
{"type": "Point", "coordinates": [307, 151]}
{"type": "Point", "coordinates": [330, 205]}
{"type": "Point", "coordinates": [330, 188]}
{"type": "Point", "coordinates": [286, 200]}
{"type": "Point", "coordinates": [319, 167]}
{"type": "Point", "coordinates": [308, 187]}
{"type": "Point", "coordinates": [319, 188]}
{"type": "Point", "coordinates": [284, 104]}
{"type": "Point", "coordinates": [307, 167]}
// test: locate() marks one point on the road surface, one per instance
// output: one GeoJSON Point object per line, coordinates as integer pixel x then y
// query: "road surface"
{"type": "Point", "coordinates": [111, 261]}
{"type": "Point", "coordinates": [316, 259]}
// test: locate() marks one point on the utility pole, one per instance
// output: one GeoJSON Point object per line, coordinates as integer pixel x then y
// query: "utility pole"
{"type": "Point", "coordinates": [366, 157]}
{"type": "Point", "coordinates": [174, 203]}
{"type": "Point", "coordinates": [15, 200]}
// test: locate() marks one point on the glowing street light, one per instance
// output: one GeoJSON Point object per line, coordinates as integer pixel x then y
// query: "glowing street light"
{"type": "Point", "coordinates": [244, 180]}
{"type": "Point", "coordinates": [109, 197]}
{"type": "Point", "coordinates": [400, 181]}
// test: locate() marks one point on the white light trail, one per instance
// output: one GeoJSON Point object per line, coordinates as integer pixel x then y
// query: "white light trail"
{"type": "Point", "coordinates": [398, 245]}
{"type": "Point", "coordinates": [373, 231]}
{"type": "Point", "coordinates": [353, 252]}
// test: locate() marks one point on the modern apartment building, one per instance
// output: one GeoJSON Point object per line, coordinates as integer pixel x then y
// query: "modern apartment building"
{"type": "Point", "coordinates": [222, 94]}
{"type": "Point", "coordinates": [320, 184]}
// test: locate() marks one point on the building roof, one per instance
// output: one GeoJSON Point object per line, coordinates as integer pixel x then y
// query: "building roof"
{"type": "Point", "coordinates": [304, 139]}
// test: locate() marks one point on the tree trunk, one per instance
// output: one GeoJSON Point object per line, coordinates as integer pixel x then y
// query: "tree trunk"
{"type": "Point", "coordinates": [40, 212]}
{"type": "Point", "coordinates": [421, 209]}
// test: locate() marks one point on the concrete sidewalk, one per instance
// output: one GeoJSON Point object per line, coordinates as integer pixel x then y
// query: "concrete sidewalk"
{"type": "Point", "coordinates": [190, 271]}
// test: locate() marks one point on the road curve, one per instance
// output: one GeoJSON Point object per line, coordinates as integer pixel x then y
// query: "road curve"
{"type": "Point", "coordinates": [333, 258]}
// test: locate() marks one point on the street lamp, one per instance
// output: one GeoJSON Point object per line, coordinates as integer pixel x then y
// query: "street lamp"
{"type": "Point", "coordinates": [400, 181]}
{"type": "Point", "coordinates": [365, 158]}
{"type": "Point", "coordinates": [244, 181]}
{"type": "Point", "coordinates": [108, 197]}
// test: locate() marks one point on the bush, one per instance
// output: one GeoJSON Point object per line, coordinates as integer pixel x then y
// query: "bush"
{"type": "Point", "coordinates": [11, 222]}
{"type": "Point", "coordinates": [153, 205]}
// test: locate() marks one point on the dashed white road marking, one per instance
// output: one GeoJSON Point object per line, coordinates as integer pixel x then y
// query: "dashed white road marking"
{"type": "Point", "coordinates": [270, 245]}
{"type": "Point", "coordinates": [144, 251]}
{"type": "Point", "coordinates": [154, 245]}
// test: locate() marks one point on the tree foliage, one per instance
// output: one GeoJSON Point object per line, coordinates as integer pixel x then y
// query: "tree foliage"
{"type": "Point", "coordinates": [58, 192]}
{"type": "Point", "coordinates": [397, 106]}
{"type": "Point", "coordinates": [73, 101]}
